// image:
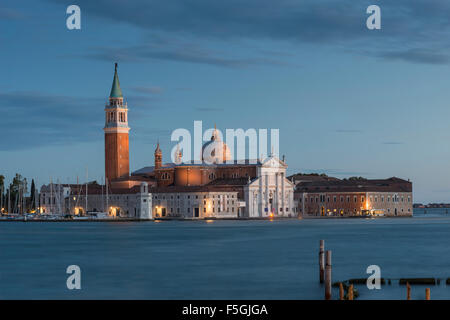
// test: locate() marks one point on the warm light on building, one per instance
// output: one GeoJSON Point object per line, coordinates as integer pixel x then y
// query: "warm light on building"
{"type": "Point", "coordinates": [113, 211]}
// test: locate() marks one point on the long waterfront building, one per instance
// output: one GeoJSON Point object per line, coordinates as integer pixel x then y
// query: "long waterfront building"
{"type": "Point", "coordinates": [325, 196]}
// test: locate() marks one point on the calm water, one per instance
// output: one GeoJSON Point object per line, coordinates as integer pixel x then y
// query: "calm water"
{"type": "Point", "coordinates": [222, 259]}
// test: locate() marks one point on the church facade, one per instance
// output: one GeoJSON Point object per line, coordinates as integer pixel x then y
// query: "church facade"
{"type": "Point", "coordinates": [224, 188]}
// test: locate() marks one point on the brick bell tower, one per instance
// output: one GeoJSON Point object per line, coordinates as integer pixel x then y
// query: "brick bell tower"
{"type": "Point", "coordinates": [116, 134]}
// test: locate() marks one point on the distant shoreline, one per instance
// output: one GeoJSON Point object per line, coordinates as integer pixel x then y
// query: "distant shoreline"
{"type": "Point", "coordinates": [202, 219]}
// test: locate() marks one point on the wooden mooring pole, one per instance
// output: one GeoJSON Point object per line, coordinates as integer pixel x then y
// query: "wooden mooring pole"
{"type": "Point", "coordinates": [321, 260]}
{"type": "Point", "coordinates": [328, 275]}
{"type": "Point", "coordinates": [427, 294]}
{"type": "Point", "coordinates": [350, 292]}
{"type": "Point", "coordinates": [341, 291]}
{"type": "Point", "coordinates": [408, 291]}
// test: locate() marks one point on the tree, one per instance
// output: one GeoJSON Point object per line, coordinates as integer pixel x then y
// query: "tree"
{"type": "Point", "coordinates": [18, 188]}
{"type": "Point", "coordinates": [33, 195]}
{"type": "Point", "coordinates": [2, 187]}
{"type": "Point", "coordinates": [357, 178]}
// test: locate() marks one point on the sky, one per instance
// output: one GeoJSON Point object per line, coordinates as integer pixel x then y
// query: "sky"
{"type": "Point", "coordinates": [348, 101]}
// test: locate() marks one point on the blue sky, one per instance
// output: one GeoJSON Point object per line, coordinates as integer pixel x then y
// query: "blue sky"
{"type": "Point", "coordinates": [348, 101]}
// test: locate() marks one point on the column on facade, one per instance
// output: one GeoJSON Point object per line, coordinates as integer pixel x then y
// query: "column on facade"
{"type": "Point", "coordinates": [267, 192]}
{"type": "Point", "coordinates": [260, 194]}
{"type": "Point", "coordinates": [277, 190]}
{"type": "Point", "coordinates": [283, 205]}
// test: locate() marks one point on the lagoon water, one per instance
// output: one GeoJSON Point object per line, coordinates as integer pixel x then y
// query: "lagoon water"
{"type": "Point", "coordinates": [221, 259]}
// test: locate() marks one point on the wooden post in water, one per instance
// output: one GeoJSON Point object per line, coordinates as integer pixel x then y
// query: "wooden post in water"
{"type": "Point", "coordinates": [321, 260]}
{"type": "Point", "coordinates": [427, 294]}
{"type": "Point", "coordinates": [408, 291]}
{"type": "Point", "coordinates": [341, 291]}
{"type": "Point", "coordinates": [350, 292]}
{"type": "Point", "coordinates": [328, 275]}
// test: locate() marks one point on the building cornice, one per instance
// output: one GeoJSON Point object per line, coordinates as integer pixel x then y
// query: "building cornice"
{"type": "Point", "coordinates": [116, 130]}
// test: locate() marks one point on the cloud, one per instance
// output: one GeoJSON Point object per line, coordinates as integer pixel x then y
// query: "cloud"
{"type": "Point", "coordinates": [177, 52]}
{"type": "Point", "coordinates": [412, 30]}
{"type": "Point", "coordinates": [418, 56]}
{"type": "Point", "coordinates": [36, 119]}
{"type": "Point", "coordinates": [11, 14]}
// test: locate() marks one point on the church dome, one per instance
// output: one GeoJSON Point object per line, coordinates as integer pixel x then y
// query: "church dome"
{"type": "Point", "coordinates": [215, 150]}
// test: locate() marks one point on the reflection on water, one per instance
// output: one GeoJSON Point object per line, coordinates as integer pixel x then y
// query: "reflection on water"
{"type": "Point", "coordinates": [222, 259]}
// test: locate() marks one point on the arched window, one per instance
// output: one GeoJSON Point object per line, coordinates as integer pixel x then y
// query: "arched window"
{"type": "Point", "coordinates": [212, 176]}
{"type": "Point", "coordinates": [165, 176]}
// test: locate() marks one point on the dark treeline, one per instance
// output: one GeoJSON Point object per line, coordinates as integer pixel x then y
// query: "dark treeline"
{"type": "Point", "coordinates": [16, 197]}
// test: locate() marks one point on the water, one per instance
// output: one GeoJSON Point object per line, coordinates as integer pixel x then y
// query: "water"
{"type": "Point", "coordinates": [221, 259]}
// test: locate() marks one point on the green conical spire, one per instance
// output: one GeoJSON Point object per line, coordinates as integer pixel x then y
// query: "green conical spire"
{"type": "Point", "coordinates": [116, 92]}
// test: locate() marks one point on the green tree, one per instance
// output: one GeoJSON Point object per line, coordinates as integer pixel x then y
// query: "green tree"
{"type": "Point", "coordinates": [33, 195]}
{"type": "Point", "coordinates": [2, 188]}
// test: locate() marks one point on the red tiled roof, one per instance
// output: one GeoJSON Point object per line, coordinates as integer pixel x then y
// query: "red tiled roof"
{"type": "Point", "coordinates": [376, 185]}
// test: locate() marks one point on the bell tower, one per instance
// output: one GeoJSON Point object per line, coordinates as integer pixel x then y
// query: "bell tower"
{"type": "Point", "coordinates": [116, 133]}
{"type": "Point", "coordinates": [158, 157]}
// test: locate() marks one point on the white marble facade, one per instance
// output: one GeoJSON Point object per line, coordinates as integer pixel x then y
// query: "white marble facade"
{"type": "Point", "coordinates": [270, 193]}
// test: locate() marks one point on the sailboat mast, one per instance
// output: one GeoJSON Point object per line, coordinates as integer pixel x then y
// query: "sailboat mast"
{"type": "Point", "coordinates": [51, 196]}
{"type": "Point", "coordinates": [107, 197]}
{"type": "Point", "coordinates": [3, 189]}
{"type": "Point", "coordinates": [9, 199]}
{"type": "Point", "coordinates": [87, 190]}
{"type": "Point", "coordinates": [103, 202]}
